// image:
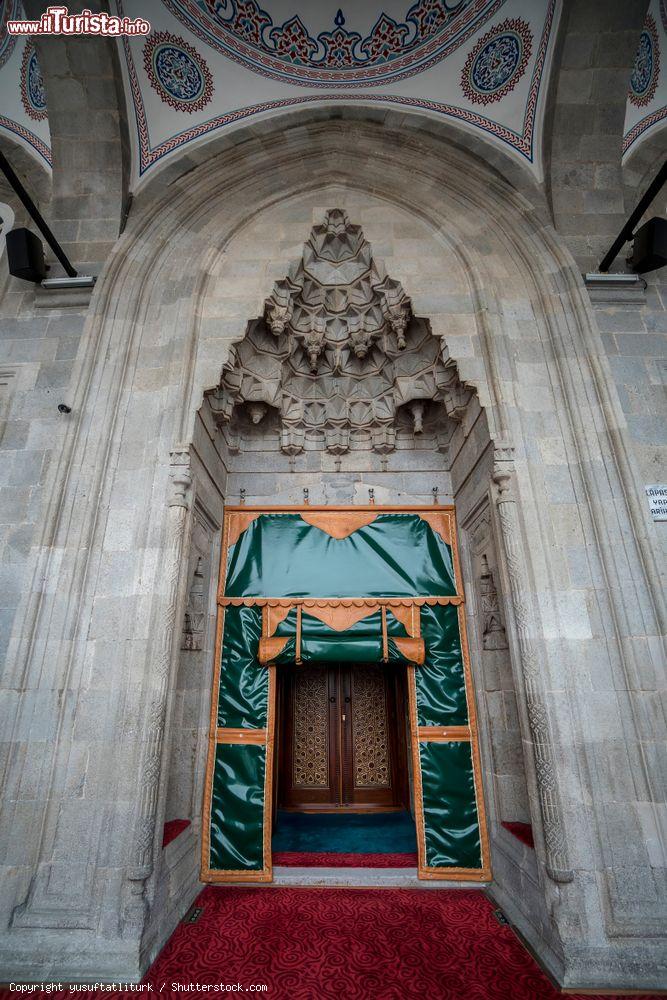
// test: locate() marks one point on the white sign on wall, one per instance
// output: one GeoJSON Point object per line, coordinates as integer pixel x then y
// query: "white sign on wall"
{"type": "Point", "coordinates": [657, 501]}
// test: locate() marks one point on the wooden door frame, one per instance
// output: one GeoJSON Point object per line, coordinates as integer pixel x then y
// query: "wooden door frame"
{"type": "Point", "coordinates": [395, 703]}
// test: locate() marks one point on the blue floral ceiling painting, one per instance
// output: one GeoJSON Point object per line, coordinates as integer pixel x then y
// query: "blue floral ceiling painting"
{"type": "Point", "coordinates": [337, 56]}
{"type": "Point", "coordinates": [646, 109]}
{"type": "Point", "coordinates": [23, 112]}
{"type": "Point", "coordinates": [213, 64]}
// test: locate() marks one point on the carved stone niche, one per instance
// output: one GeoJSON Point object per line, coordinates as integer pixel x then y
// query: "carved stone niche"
{"type": "Point", "coordinates": [491, 619]}
{"type": "Point", "coordinates": [194, 624]}
{"type": "Point", "coordinates": [338, 353]}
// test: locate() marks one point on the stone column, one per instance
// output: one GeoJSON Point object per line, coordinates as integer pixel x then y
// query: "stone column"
{"type": "Point", "coordinates": [557, 863]}
{"type": "Point", "coordinates": [143, 844]}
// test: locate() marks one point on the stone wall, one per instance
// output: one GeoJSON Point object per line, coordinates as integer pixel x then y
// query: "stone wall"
{"type": "Point", "coordinates": [633, 327]}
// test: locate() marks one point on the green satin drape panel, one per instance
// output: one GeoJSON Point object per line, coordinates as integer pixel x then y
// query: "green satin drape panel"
{"type": "Point", "coordinates": [237, 808]}
{"type": "Point", "coordinates": [398, 555]}
{"type": "Point", "coordinates": [244, 684]}
{"type": "Point", "coordinates": [360, 643]}
{"type": "Point", "coordinates": [451, 823]}
{"type": "Point", "coordinates": [365, 649]}
{"type": "Point", "coordinates": [440, 682]}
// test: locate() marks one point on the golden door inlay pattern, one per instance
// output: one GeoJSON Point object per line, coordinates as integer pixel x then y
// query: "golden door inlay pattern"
{"type": "Point", "coordinates": [371, 739]}
{"type": "Point", "coordinates": [310, 754]}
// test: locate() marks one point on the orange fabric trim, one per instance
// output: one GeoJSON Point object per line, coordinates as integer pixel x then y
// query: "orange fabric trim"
{"type": "Point", "coordinates": [440, 522]}
{"type": "Point", "coordinates": [340, 618]}
{"type": "Point", "coordinates": [274, 616]}
{"type": "Point", "coordinates": [444, 734]}
{"type": "Point", "coordinates": [338, 524]}
{"type": "Point", "coordinates": [411, 649]}
{"type": "Point", "coordinates": [270, 647]}
{"type": "Point", "coordinates": [297, 658]}
{"type": "Point", "coordinates": [256, 736]}
{"type": "Point", "coordinates": [237, 523]}
{"type": "Point", "coordinates": [406, 616]}
{"type": "Point", "coordinates": [334, 602]}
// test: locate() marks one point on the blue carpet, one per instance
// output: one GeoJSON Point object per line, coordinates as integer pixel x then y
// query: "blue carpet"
{"type": "Point", "coordinates": [353, 833]}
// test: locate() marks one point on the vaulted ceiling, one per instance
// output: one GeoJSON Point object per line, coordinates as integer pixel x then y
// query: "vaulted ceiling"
{"type": "Point", "coordinates": [211, 65]}
{"type": "Point", "coordinates": [552, 93]}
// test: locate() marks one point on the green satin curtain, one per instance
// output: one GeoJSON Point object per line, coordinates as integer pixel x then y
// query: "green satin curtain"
{"type": "Point", "coordinates": [398, 555]}
{"type": "Point", "coordinates": [244, 684]}
{"type": "Point", "coordinates": [360, 643]}
{"type": "Point", "coordinates": [237, 808]}
{"type": "Point", "coordinates": [451, 823]}
{"type": "Point", "coordinates": [441, 694]}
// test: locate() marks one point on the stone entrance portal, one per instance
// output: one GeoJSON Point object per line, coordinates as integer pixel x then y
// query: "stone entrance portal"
{"type": "Point", "coordinates": [339, 382]}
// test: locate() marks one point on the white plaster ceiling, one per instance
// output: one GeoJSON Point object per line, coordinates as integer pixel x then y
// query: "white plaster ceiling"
{"type": "Point", "coordinates": [213, 65]}
{"type": "Point", "coordinates": [210, 66]}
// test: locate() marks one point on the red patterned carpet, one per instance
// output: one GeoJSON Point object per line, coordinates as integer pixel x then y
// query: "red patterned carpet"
{"type": "Point", "coordinates": [357, 944]}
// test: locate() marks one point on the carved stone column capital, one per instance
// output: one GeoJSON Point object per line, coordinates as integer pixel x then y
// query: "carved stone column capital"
{"type": "Point", "coordinates": [503, 473]}
{"type": "Point", "coordinates": [181, 478]}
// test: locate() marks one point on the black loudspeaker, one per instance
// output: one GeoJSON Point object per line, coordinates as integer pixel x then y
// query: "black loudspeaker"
{"type": "Point", "coordinates": [650, 248]}
{"type": "Point", "coordinates": [25, 255]}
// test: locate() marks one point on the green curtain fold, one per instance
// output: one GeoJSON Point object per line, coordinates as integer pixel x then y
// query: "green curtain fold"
{"type": "Point", "coordinates": [398, 555]}
{"type": "Point", "coordinates": [237, 808]}
{"type": "Point", "coordinates": [451, 823]}
{"type": "Point", "coordinates": [244, 685]}
{"type": "Point", "coordinates": [441, 694]}
{"type": "Point", "coordinates": [360, 643]}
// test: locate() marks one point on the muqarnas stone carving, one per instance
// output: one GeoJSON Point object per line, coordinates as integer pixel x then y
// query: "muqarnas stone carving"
{"type": "Point", "coordinates": [338, 353]}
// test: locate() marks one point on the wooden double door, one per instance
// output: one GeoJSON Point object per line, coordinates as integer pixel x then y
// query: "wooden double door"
{"type": "Point", "coordinates": [342, 738]}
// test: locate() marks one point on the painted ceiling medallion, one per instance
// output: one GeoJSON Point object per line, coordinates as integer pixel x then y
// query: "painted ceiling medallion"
{"type": "Point", "coordinates": [646, 70]}
{"type": "Point", "coordinates": [292, 53]}
{"type": "Point", "coordinates": [177, 72]}
{"type": "Point", "coordinates": [338, 357]}
{"type": "Point", "coordinates": [33, 95]}
{"type": "Point", "coordinates": [9, 10]}
{"type": "Point", "coordinates": [497, 62]}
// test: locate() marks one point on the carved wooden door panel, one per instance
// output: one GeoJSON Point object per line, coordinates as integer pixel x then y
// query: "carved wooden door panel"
{"type": "Point", "coordinates": [340, 745]}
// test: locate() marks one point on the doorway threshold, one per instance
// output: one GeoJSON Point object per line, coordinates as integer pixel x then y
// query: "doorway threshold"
{"type": "Point", "coordinates": [377, 878]}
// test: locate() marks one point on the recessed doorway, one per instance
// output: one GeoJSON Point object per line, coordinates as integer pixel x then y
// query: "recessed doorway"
{"type": "Point", "coordinates": [342, 762]}
{"type": "Point", "coordinates": [342, 738]}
